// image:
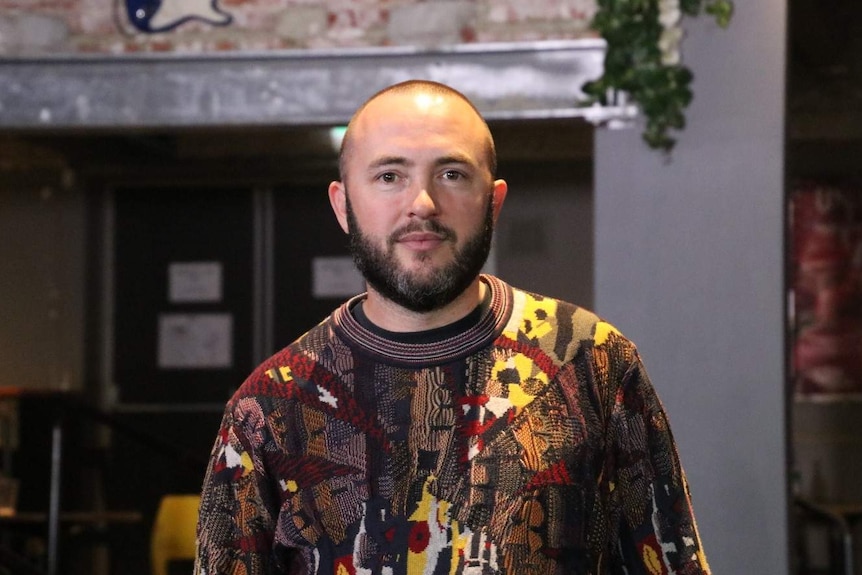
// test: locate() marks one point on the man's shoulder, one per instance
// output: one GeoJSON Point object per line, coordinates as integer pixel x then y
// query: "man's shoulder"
{"type": "Point", "coordinates": [559, 324]}
{"type": "Point", "coordinates": [284, 373]}
{"type": "Point", "coordinates": [539, 308]}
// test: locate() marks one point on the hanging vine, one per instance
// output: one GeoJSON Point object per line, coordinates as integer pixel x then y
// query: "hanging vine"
{"type": "Point", "coordinates": [643, 59]}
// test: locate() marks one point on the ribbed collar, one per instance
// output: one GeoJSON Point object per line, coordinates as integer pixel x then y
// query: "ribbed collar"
{"type": "Point", "coordinates": [485, 331]}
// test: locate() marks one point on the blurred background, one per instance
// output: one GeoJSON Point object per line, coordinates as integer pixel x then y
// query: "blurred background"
{"type": "Point", "coordinates": [156, 242]}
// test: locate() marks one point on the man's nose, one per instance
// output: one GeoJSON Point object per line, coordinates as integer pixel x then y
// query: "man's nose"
{"type": "Point", "coordinates": [424, 205]}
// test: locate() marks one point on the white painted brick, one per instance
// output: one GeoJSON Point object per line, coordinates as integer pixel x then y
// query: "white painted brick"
{"type": "Point", "coordinates": [431, 22]}
{"type": "Point", "coordinates": [300, 23]}
{"type": "Point", "coordinates": [100, 26]}
{"type": "Point", "coordinates": [32, 33]}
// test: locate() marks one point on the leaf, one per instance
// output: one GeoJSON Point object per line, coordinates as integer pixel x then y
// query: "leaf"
{"type": "Point", "coordinates": [722, 10]}
{"type": "Point", "coordinates": [633, 62]}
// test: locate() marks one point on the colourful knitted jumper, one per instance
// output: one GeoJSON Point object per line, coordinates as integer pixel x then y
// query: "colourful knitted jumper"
{"type": "Point", "coordinates": [531, 443]}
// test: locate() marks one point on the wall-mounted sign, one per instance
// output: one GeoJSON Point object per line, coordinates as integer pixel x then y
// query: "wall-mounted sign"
{"type": "Point", "coordinates": [195, 341]}
{"type": "Point", "coordinates": [195, 282]}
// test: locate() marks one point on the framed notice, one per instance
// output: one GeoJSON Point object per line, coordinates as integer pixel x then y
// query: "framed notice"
{"type": "Point", "coordinates": [194, 282]}
{"type": "Point", "coordinates": [195, 341]}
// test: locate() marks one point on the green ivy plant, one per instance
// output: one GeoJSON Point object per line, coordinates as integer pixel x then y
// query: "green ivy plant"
{"type": "Point", "coordinates": [643, 59]}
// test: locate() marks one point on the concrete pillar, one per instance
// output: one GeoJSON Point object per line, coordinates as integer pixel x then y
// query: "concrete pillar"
{"type": "Point", "coordinates": [689, 264]}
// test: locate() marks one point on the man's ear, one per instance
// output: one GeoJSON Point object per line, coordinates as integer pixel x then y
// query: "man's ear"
{"type": "Point", "coordinates": [499, 196]}
{"type": "Point", "coordinates": [338, 201]}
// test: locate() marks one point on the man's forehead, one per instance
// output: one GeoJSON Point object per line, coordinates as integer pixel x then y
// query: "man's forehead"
{"type": "Point", "coordinates": [421, 100]}
{"type": "Point", "coordinates": [390, 117]}
{"type": "Point", "coordinates": [417, 101]}
{"type": "Point", "coordinates": [426, 101]}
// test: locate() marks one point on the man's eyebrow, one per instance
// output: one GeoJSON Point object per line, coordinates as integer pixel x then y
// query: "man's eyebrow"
{"type": "Point", "coordinates": [390, 161]}
{"type": "Point", "coordinates": [383, 161]}
{"type": "Point", "coordinates": [454, 159]}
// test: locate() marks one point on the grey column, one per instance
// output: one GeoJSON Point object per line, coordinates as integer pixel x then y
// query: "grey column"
{"type": "Point", "coordinates": [689, 264]}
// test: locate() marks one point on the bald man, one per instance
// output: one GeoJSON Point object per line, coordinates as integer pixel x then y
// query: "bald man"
{"type": "Point", "coordinates": [443, 422]}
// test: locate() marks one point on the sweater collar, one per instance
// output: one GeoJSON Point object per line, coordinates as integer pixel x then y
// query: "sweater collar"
{"type": "Point", "coordinates": [489, 326]}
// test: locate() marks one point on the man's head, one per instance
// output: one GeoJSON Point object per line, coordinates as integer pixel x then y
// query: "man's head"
{"type": "Point", "coordinates": [417, 193]}
{"type": "Point", "coordinates": [414, 87]}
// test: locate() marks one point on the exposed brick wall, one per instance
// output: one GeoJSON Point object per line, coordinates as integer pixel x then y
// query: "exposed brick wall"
{"type": "Point", "coordinates": [37, 27]}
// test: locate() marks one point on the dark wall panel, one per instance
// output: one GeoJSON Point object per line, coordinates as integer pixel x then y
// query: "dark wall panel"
{"type": "Point", "coordinates": [153, 228]}
{"type": "Point", "coordinates": [305, 228]}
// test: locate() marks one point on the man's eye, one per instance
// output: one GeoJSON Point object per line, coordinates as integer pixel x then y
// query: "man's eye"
{"type": "Point", "coordinates": [452, 175]}
{"type": "Point", "coordinates": [388, 178]}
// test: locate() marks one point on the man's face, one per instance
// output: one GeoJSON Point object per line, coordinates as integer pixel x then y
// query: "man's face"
{"type": "Point", "coordinates": [418, 199]}
{"type": "Point", "coordinates": [436, 287]}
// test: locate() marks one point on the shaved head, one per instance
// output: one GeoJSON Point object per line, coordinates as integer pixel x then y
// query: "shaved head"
{"type": "Point", "coordinates": [413, 88]}
{"type": "Point", "coordinates": [418, 199]}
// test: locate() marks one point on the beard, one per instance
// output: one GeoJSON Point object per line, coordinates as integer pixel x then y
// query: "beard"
{"type": "Point", "coordinates": [415, 291]}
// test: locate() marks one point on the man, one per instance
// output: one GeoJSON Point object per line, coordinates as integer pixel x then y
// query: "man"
{"type": "Point", "coordinates": [443, 422]}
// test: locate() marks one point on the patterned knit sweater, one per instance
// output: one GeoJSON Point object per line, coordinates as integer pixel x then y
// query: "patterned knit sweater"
{"type": "Point", "coordinates": [531, 443]}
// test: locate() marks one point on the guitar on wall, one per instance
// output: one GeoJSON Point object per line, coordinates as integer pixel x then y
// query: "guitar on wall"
{"type": "Point", "coordinates": [152, 16]}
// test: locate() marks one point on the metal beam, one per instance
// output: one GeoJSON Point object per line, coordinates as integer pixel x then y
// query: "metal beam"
{"type": "Point", "coordinates": [302, 87]}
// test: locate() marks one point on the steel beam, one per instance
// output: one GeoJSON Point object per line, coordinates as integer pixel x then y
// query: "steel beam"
{"type": "Point", "coordinates": [302, 87]}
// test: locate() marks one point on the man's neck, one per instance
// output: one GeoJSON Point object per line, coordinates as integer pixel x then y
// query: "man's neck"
{"type": "Point", "coordinates": [392, 317]}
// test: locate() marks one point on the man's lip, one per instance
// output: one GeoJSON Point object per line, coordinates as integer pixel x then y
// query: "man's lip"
{"type": "Point", "coordinates": [421, 241]}
{"type": "Point", "coordinates": [420, 237]}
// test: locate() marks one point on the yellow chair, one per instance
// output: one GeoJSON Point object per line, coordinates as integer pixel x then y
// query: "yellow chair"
{"type": "Point", "coordinates": [173, 534]}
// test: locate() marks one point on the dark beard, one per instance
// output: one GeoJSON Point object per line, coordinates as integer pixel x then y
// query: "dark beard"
{"type": "Point", "coordinates": [382, 271]}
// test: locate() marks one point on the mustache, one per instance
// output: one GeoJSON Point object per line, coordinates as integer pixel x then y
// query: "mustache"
{"type": "Point", "coordinates": [431, 226]}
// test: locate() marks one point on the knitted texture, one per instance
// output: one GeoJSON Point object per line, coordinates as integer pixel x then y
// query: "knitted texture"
{"type": "Point", "coordinates": [531, 443]}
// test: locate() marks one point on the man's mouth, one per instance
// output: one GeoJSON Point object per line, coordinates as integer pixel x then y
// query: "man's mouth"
{"type": "Point", "coordinates": [421, 240]}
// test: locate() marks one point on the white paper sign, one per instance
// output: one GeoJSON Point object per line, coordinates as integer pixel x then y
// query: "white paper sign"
{"type": "Point", "coordinates": [195, 341]}
{"type": "Point", "coordinates": [335, 277]}
{"type": "Point", "coordinates": [194, 282]}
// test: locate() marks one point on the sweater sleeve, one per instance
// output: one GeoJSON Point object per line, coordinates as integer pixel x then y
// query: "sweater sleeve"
{"type": "Point", "coordinates": [238, 505]}
{"type": "Point", "coordinates": [657, 529]}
